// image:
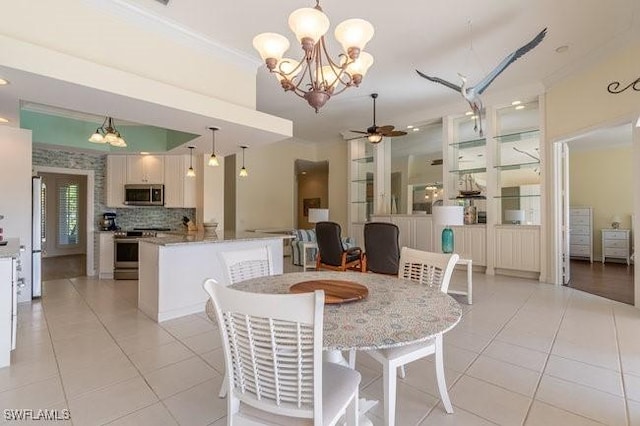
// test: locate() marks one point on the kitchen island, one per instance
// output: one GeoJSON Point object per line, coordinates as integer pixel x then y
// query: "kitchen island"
{"type": "Point", "coordinates": [173, 268]}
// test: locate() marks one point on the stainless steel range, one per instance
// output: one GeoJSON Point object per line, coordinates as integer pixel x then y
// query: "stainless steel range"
{"type": "Point", "coordinates": [126, 251]}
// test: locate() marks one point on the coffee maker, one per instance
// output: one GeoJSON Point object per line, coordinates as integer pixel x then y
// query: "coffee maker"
{"type": "Point", "coordinates": [108, 222]}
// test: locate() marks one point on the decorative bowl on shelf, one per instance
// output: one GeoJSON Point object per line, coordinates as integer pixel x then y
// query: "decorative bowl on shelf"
{"type": "Point", "coordinates": [210, 226]}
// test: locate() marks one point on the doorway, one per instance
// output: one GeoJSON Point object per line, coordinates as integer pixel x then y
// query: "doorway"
{"type": "Point", "coordinates": [312, 182]}
{"type": "Point", "coordinates": [600, 187]}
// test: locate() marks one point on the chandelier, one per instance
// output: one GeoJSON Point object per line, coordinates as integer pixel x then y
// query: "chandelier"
{"type": "Point", "coordinates": [108, 134]}
{"type": "Point", "coordinates": [316, 77]}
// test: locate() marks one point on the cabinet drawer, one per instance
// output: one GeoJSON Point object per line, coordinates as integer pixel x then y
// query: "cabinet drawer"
{"type": "Point", "coordinates": [579, 250]}
{"type": "Point", "coordinates": [580, 239]}
{"type": "Point", "coordinates": [579, 230]}
{"type": "Point", "coordinates": [614, 235]}
{"type": "Point", "coordinates": [579, 220]}
{"type": "Point", "coordinates": [616, 252]}
{"type": "Point", "coordinates": [615, 243]}
{"type": "Point", "coordinates": [579, 212]}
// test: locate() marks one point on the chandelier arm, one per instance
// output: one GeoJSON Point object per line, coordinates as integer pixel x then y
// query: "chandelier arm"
{"type": "Point", "coordinates": [338, 70]}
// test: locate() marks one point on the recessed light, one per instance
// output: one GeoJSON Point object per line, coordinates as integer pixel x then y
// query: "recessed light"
{"type": "Point", "coordinates": [144, 153]}
{"type": "Point", "coordinates": [3, 120]}
{"type": "Point", "coordinates": [415, 129]}
{"type": "Point", "coordinates": [562, 49]}
{"type": "Point", "coordinates": [3, 82]}
{"type": "Point", "coordinates": [520, 107]}
{"type": "Point", "coordinates": [409, 126]}
{"type": "Point", "coordinates": [514, 103]}
{"type": "Point", "coordinates": [468, 113]}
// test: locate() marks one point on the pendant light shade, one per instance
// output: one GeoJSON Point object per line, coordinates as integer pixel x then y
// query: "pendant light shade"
{"type": "Point", "coordinates": [243, 170]}
{"type": "Point", "coordinates": [107, 133]}
{"type": "Point", "coordinates": [213, 160]}
{"type": "Point", "coordinates": [190, 171]}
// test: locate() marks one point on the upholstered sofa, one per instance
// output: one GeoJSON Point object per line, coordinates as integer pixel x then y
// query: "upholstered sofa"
{"type": "Point", "coordinates": [307, 235]}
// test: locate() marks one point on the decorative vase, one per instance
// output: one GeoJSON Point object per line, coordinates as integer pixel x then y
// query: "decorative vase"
{"type": "Point", "coordinates": [447, 240]}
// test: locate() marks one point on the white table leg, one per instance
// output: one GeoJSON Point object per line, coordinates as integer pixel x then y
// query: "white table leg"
{"type": "Point", "coordinates": [364, 405]}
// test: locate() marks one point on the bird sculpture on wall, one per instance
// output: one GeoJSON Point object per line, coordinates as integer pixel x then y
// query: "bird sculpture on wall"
{"type": "Point", "coordinates": [472, 94]}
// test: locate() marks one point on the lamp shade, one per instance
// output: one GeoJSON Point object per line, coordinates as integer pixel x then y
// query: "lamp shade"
{"type": "Point", "coordinates": [354, 33]}
{"type": "Point", "coordinates": [514, 216]}
{"type": "Point", "coordinates": [360, 65]}
{"type": "Point", "coordinates": [271, 45]}
{"type": "Point", "coordinates": [318, 215]}
{"type": "Point", "coordinates": [308, 22]}
{"type": "Point", "coordinates": [448, 215]}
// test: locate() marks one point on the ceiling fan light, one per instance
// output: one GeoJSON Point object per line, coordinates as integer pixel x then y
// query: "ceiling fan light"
{"type": "Point", "coordinates": [361, 65]}
{"type": "Point", "coordinates": [97, 138]}
{"type": "Point", "coordinates": [353, 35]}
{"type": "Point", "coordinates": [308, 23]}
{"type": "Point", "coordinates": [375, 138]}
{"type": "Point", "coordinates": [213, 161]}
{"type": "Point", "coordinates": [271, 46]}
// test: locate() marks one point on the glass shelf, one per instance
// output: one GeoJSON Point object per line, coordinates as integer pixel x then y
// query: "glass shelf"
{"type": "Point", "coordinates": [363, 160]}
{"type": "Point", "coordinates": [519, 166]}
{"type": "Point", "coordinates": [519, 136]}
{"type": "Point", "coordinates": [469, 171]}
{"type": "Point", "coordinates": [470, 144]}
{"type": "Point", "coordinates": [517, 196]}
{"type": "Point", "coordinates": [367, 180]}
{"type": "Point", "coordinates": [362, 202]}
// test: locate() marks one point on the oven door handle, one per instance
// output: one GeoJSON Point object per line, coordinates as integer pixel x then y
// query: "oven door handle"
{"type": "Point", "coordinates": [125, 240]}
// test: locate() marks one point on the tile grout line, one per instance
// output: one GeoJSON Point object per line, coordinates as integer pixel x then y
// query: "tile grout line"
{"type": "Point", "coordinates": [627, 413]}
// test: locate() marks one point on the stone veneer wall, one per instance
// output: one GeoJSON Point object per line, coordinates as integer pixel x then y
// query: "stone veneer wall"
{"type": "Point", "coordinates": [127, 217]}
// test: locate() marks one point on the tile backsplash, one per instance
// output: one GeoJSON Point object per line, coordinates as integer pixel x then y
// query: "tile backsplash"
{"type": "Point", "coordinates": [135, 217]}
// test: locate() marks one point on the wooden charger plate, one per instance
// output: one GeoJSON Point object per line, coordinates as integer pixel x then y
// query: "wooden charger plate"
{"type": "Point", "coordinates": [335, 291]}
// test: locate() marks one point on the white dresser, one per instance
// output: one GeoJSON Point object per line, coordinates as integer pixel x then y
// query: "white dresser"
{"type": "Point", "coordinates": [581, 234]}
{"type": "Point", "coordinates": [616, 244]}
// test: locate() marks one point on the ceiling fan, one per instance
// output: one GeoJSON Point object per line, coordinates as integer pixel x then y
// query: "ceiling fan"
{"type": "Point", "coordinates": [376, 133]}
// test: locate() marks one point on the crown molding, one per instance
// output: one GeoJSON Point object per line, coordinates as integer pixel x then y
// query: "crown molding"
{"type": "Point", "coordinates": [159, 24]}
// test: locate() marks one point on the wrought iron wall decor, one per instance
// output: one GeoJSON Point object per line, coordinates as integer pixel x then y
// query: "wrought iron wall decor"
{"type": "Point", "coordinates": [614, 87]}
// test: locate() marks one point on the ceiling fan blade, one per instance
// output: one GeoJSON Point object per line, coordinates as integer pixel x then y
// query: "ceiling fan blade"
{"type": "Point", "coordinates": [360, 132]}
{"type": "Point", "coordinates": [384, 129]}
{"type": "Point", "coordinates": [394, 133]}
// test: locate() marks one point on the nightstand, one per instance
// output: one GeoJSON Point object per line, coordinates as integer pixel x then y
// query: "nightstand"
{"type": "Point", "coordinates": [616, 244]}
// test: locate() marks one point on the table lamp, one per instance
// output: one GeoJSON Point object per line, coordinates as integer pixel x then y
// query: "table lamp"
{"type": "Point", "coordinates": [448, 216]}
{"type": "Point", "coordinates": [516, 217]}
{"type": "Point", "coordinates": [318, 215]}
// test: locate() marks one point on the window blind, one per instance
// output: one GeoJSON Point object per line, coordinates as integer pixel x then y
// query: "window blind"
{"type": "Point", "coordinates": [68, 214]}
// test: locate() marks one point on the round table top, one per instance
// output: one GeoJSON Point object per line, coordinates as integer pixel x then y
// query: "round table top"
{"type": "Point", "coordinates": [396, 312]}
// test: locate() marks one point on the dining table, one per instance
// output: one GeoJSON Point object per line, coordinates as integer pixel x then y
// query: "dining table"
{"type": "Point", "coordinates": [395, 312]}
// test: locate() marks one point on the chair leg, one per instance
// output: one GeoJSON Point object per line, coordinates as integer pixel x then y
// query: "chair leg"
{"type": "Point", "coordinates": [351, 416]}
{"type": "Point", "coordinates": [389, 377]}
{"type": "Point", "coordinates": [442, 384]}
{"type": "Point", "coordinates": [223, 388]}
{"type": "Point", "coordinates": [402, 373]}
{"type": "Point", "coordinates": [352, 359]}
{"type": "Point", "coordinates": [233, 407]}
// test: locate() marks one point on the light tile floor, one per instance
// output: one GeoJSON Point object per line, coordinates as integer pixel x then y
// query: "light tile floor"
{"type": "Point", "coordinates": [524, 353]}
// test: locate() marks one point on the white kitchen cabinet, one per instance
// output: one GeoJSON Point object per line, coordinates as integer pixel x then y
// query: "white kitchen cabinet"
{"type": "Point", "coordinates": [616, 244]}
{"type": "Point", "coordinates": [8, 299]}
{"type": "Point", "coordinates": [106, 255]}
{"type": "Point", "coordinates": [116, 178]}
{"type": "Point", "coordinates": [518, 247]}
{"type": "Point", "coordinates": [145, 169]}
{"type": "Point", "coordinates": [581, 234]}
{"type": "Point", "coordinates": [415, 231]}
{"type": "Point", "coordinates": [469, 242]}
{"type": "Point", "coordinates": [179, 190]}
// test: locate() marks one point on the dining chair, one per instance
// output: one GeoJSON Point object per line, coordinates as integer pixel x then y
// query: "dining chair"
{"type": "Point", "coordinates": [243, 265]}
{"type": "Point", "coordinates": [273, 352]}
{"type": "Point", "coordinates": [433, 269]}
{"type": "Point", "coordinates": [332, 254]}
{"type": "Point", "coordinates": [381, 248]}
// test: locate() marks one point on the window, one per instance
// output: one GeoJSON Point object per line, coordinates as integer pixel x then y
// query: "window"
{"type": "Point", "coordinates": [68, 214]}
{"type": "Point", "coordinates": [43, 212]}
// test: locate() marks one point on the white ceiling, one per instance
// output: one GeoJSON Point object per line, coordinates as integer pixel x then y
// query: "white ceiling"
{"type": "Point", "coordinates": [433, 36]}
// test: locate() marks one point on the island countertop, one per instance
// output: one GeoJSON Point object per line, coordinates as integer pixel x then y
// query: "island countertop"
{"type": "Point", "coordinates": [11, 249]}
{"type": "Point", "coordinates": [172, 239]}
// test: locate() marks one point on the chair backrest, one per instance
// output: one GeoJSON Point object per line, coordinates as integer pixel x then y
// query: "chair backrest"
{"type": "Point", "coordinates": [272, 348]}
{"type": "Point", "coordinates": [381, 247]}
{"type": "Point", "coordinates": [243, 265]}
{"type": "Point", "coordinates": [329, 243]}
{"type": "Point", "coordinates": [425, 267]}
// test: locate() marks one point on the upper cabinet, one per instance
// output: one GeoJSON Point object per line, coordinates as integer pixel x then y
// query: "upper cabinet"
{"type": "Point", "coordinates": [145, 169]}
{"type": "Point", "coordinates": [518, 164]}
{"type": "Point", "coordinates": [179, 190]}
{"type": "Point", "coordinates": [116, 178]}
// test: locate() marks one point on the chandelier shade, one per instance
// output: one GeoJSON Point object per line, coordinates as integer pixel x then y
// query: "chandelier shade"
{"type": "Point", "coordinates": [213, 159]}
{"type": "Point", "coordinates": [107, 133]}
{"type": "Point", "coordinates": [316, 76]}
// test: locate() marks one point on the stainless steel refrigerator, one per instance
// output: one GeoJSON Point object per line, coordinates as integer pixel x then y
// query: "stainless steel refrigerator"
{"type": "Point", "coordinates": [36, 237]}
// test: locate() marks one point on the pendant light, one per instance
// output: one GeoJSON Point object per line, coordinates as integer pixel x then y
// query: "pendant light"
{"type": "Point", "coordinates": [213, 160]}
{"type": "Point", "coordinates": [190, 171]}
{"type": "Point", "coordinates": [243, 170]}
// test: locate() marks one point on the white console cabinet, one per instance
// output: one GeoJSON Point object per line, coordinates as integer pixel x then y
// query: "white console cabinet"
{"type": "Point", "coordinates": [518, 247]}
{"type": "Point", "coordinates": [416, 231]}
{"type": "Point", "coordinates": [469, 241]}
{"type": "Point", "coordinates": [9, 260]}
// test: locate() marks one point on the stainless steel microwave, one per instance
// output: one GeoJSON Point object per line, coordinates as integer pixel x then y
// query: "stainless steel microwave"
{"type": "Point", "coordinates": [144, 195]}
